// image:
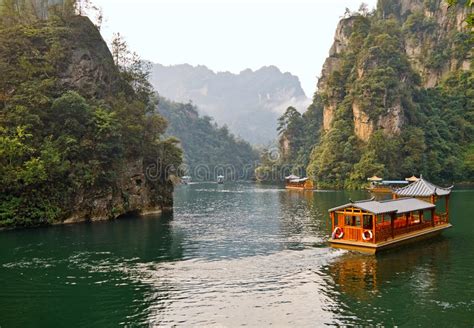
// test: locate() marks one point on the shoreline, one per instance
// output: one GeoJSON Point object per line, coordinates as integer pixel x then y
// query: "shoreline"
{"type": "Point", "coordinates": [69, 221]}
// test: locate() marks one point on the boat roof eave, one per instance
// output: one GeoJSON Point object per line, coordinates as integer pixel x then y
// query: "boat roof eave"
{"type": "Point", "coordinates": [398, 206]}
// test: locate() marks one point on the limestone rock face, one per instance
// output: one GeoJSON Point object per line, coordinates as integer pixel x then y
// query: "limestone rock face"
{"type": "Point", "coordinates": [132, 194]}
{"type": "Point", "coordinates": [363, 126]}
{"type": "Point", "coordinates": [332, 64]}
{"type": "Point", "coordinates": [90, 68]}
{"type": "Point", "coordinates": [328, 115]}
{"type": "Point", "coordinates": [419, 48]}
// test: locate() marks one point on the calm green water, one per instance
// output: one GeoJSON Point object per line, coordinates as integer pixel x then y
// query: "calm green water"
{"type": "Point", "coordinates": [237, 254]}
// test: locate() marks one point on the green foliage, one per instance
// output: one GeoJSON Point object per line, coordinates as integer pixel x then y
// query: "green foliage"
{"type": "Point", "coordinates": [290, 128]}
{"type": "Point", "coordinates": [297, 135]}
{"type": "Point", "coordinates": [417, 23]}
{"type": "Point", "coordinates": [331, 160]}
{"type": "Point", "coordinates": [388, 9]}
{"type": "Point", "coordinates": [209, 150]}
{"type": "Point", "coordinates": [57, 140]}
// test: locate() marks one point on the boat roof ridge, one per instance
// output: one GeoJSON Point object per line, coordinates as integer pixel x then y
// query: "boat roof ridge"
{"type": "Point", "coordinates": [363, 201]}
{"type": "Point", "coordinates": [394, 200]}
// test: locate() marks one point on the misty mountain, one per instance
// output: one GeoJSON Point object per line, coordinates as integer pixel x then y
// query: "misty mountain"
{"type": "Point", "coordinates": [249, 103]}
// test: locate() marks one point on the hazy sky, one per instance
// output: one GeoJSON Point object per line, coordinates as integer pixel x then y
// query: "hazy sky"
{"type": "Point", "coordinates": [230, 35]}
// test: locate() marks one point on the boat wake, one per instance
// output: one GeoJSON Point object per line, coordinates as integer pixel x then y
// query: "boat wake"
{"type": "Point", "coordinates": [285, 288]}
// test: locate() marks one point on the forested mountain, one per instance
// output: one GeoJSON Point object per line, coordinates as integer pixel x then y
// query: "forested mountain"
{"type": "Point", "coordinates": [249, 103]}
{"type": "Point", "coordinates": [79, 138]}
{"type": "Point", "coordinates": [209, 150]}
{"type": "Point", "coordinates": [395, 98]}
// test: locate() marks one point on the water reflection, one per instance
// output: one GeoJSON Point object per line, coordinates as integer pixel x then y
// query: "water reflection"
{"type": "Point", "coordinates": [362, 276]}
{"type": "Point", "coordinates": [361, 283]}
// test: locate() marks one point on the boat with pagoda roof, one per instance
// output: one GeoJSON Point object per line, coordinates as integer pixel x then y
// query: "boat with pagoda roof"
{"type": "Point", "coordinates": [370, 225]}
{"type": "Point", "coordinates": [296, 183]}
{"type": "Point", "coordinates": [380, 186]}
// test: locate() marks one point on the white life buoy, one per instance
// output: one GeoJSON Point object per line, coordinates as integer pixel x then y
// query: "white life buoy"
{"type": "Point", "coordinates": [367, 235]}
{"type": "Point", "coordinates": [338, 233]}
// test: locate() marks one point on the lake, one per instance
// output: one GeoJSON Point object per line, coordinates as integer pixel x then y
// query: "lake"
{"type": "Point", "coordinates": [230, 255]}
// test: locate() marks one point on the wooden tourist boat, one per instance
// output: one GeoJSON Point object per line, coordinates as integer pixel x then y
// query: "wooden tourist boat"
{"type": "Point", "coordinates": [296, 183]}
{"type": "Point", "coordinates": [370, 226]}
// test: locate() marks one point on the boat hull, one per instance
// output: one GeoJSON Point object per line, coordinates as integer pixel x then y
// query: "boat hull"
{"type": "Point", "coordinates": [297, 188]}
{"type": "Point", "coordinates": [372, 248]}
{"type": "Point", "coordinates": [380, 190]}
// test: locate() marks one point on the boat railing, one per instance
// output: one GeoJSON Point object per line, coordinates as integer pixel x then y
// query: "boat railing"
{"type": "Point", "coordinates": [383, 232]}
{"type": "Point", "coordinates": [441, 218]}
{"type": "Point", "coordinates": [415, 227]}
{"type": "Point", "coordinates": [352, 233]}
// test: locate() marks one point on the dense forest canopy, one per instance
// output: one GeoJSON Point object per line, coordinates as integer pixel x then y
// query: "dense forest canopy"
{"type": "Point", "coordinates": [396, 98]}
{"type": "Point", "coordinates": [209, 150]}
{"type": "Point", "coordinates": [71, 120]}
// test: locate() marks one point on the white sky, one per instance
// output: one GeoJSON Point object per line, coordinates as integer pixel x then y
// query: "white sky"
{"type": "Point", "coordinates": [230, 35]}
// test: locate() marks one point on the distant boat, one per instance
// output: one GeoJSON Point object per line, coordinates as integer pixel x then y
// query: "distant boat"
{"type": "Point", "coordinates": [185, 179]}
{"type": "Point", "coordinates": [295, 182]}
{"type": "Point", "coordinates": [220, 179]}
{"type": "Point", "coordinates": [378, 185]}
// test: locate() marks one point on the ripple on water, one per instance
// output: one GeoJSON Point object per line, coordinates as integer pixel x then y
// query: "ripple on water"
{"type": "Point", "coordinates": [283, 288]}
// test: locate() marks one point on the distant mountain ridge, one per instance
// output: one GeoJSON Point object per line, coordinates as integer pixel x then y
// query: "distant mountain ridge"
{"type": "Point", "coordinates": [249, 103]}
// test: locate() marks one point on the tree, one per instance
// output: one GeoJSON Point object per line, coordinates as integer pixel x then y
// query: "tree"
{"type": "Point", "coordinates": [133, 69]}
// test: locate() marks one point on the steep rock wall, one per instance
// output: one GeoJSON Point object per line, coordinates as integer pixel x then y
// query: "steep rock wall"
{"type": "Point", "coordinates": [425, 42]}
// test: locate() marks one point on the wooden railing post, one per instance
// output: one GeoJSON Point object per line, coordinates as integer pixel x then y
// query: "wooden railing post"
{"type": "Point", "coordinates": [374, 223]}
{"type": "Point", "coordinates": [392, 222]}
{"type": "Point", "coordinates": [447, 208]}
{"type": "Point", "coordinates": [433, 217]}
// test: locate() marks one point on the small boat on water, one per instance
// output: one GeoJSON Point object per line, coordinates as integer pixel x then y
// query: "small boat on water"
{"type": "Point", "coordinates": [378, 185]}
{"type": "Point", "coordinates": [369, 226]}
{"type": "Point", "coordinates": [220, 179]}
{"type": "Point", "coordinates": [297, 183]}
{"type": "Point", "coordinates": [185, 179]}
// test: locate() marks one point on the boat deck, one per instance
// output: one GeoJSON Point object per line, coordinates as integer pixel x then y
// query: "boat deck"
{"type": "Point", "coordinates": [372, 248]}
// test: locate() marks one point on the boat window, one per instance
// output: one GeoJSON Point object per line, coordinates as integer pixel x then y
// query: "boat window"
{"type": "Point", "coordinates": [367, 221]}
{"type": "Point", "coordinates": [347, 220]}
{"type": "Point", "coordinates": [353, 221]}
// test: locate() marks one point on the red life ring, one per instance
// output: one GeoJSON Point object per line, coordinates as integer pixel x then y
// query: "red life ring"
{"type": "Point", "coordinates": [338, 233]}
{"type": "Point", "coordinates": [367, 235]}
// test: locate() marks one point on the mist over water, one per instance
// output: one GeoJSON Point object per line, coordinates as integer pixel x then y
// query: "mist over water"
{"type": "Point", "coordinates": [230, 255]}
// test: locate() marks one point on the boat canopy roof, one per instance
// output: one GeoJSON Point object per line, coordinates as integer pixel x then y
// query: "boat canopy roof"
{"type": "Point", "coordinates": [422, 188]}
{"type": "Point", "coordinates": [387, 182]}
{"type": "Point", "coordinates": [292, 177]}
{"type": "Point", "coordinates": [299, 180]}
{"type": "Point", "coordinates": [374, 178]}
{"type": "Point", "coordinates": [220, 176]}
{"type": "Point", "coordinates": [412, 179]}
{"type": "Point", "coordinates": [398, 206]}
